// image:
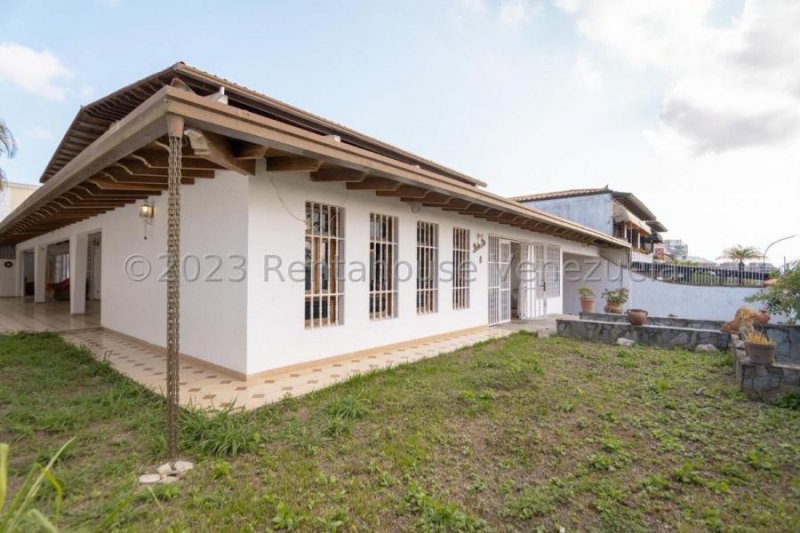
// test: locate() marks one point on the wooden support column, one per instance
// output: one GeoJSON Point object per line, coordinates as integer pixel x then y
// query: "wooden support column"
{"type": "Point", "coordinates": [175, 133]}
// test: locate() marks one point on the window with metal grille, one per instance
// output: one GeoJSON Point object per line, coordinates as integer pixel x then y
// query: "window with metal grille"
{"type": "Point", "coordinates": [324, 290]}
{"type": "Point", "coordinates": [552, 271]}
{"type": "Point", "coordinates": [461, 270]}
{"type": "Point", "coordinates": [382, 260]}
{"type": "Point", "coordinates": [8, 251]}
{"type": "Point", "coordinates": [427, 262]}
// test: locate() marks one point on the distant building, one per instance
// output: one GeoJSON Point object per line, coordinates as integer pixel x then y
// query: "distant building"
{"type": "Point", "coordinates": [676, 249]}
{"type": "Point", "coordinates": [13, 195]}
{"type": "Point", "coordinates": [619, 214]}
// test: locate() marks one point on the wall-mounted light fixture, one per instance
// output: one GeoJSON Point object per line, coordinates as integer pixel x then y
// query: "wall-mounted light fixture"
{"type": "Point", "coordinates": [146, 212]}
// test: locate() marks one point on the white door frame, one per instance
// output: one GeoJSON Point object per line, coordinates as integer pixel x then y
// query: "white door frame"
{"type": "Point", "coordinates": [533, 304]}
{"type": "Point", "coordinates": [499, 283]}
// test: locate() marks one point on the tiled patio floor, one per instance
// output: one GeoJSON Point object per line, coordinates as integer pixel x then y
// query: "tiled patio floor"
{"type": "Point", "coordinates": [22, 314]}
{"type": "Point", "coordinates": [205, 387]}
{"type": "Point", "coordinates": [201, 385]}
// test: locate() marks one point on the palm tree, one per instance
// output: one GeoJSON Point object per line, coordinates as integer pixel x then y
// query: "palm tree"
{"type": "Point", "coordinates": [741, 254]}
{"type": "Point", "coordinates": [8, 147]}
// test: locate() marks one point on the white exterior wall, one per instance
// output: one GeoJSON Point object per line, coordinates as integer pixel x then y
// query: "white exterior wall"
{"type": "Point", "coordinates": [661, 298]}
{"type": "Point", "coordinates": [275, 310]}
{"type": "Point", "coordinates": [594, 272]}
{"type": "Point", "coordinates": [594, 211]}
{"type": "Point", "coordinates": [8, 278]}
{"type": "Point", "coordinates": [214, 221]}
{"type": "Point", "coordinates": [256, 325]}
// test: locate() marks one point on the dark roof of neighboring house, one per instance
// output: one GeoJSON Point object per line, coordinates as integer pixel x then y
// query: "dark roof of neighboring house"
{"type": "Point", "coordinates": [627, 199]}
{"type": "Point", "coordinates": [94, 119]}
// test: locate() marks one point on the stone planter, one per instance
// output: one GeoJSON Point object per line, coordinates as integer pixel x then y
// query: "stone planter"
{"type": "Point", "coordinates": [637, 317]}
{"type": "Point", "coordinates": [760, 354]}
{"type": "Point", "coordinates": [587, 305]}
{"type": "Point", "coordinates": [613, 308]}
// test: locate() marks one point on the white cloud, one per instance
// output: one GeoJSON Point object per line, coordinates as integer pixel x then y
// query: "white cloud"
{"type": "Point", "coordinates": [41, 73]}
{"type": "Point", "coordinates": [85, 91]}
{"type": "Point", "coordinates": [39, 133]}
{"type": "Point", "coordinates": [510, 13]}
{"type": "Point", "coordinates": [477, 6]}
{"type": "Point", "coordinates": [727, 87]}
{"type": "Point", "coordinates": [587, 74]}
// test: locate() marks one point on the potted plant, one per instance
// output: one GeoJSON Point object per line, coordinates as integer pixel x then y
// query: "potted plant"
{"type": "Point", "coordinates": [615, 300]}
{"type": "Point", "coordinates": [587, 299]}
{"type": "Point", "coordinates": [637, 317]}
{"type": "Point", "coordinates": [760, 348]}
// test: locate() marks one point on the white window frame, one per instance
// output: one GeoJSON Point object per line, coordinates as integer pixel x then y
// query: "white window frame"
{"type": "Point", "coordinates": [461, 270]}
{"type": "Point", "coordinates": [383, 249]}
{"type": "Point", "coordinates": [427, 267]}
{"type": "Point", "coordinates": [324, 257]}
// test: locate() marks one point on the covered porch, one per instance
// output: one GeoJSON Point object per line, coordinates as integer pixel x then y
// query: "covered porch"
{"type": "Point", "coordinates": [22, 314]}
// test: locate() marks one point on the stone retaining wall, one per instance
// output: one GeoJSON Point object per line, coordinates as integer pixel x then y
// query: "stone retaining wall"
{"type": "Point", "coordinates": [657, 320]}
{"type": "Point", "coordinates": [650, 335]}
{"type": "Point", "coordinates": [787, 341]}
{"type": "Point", "coordinates": [787, 338]}
{"type": "Point", "coordinates": [763, 381]}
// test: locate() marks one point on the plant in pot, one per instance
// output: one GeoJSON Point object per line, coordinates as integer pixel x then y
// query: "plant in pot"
{"type": "Point", "coordinates": [615, 300]}
{"type": "Point", "coordinates": [637, 317]}
{"type": "Point", "coordinates": [587, 299]}
{"type": "Point", "coordinates": [760, 348]}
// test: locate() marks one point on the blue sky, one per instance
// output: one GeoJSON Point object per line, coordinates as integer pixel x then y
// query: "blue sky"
{"type": "Point", "coordinates": [685, 102]}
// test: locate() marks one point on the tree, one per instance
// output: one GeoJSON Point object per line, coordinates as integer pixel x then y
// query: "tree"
{"type": "Point", "coordinates": [8, 147]}
{"type": "Point", "coordinates": [740, 254]}
{"type": "Point", "coordinates": [784, 295]}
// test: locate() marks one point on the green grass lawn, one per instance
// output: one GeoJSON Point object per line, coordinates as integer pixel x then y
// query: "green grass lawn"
{"type": "Point", "coordinates": [514, 434]}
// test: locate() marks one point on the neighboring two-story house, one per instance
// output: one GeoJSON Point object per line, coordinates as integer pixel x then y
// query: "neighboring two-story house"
{"type": "Point", "coordinates": [613, 213]}
{"type": "Point", "coordinates": [618, 214]}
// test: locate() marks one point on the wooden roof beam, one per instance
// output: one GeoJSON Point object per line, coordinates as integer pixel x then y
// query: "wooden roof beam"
{"type": "Point", "coordinates": [381, 184]}
{"type": "Point", "coordinates": [137, 166]}
{"type": "Point", "coordinates": [218, 149]}
{"type": "Point", "coordinates": [436, 199]}
{"type": "Point", "coordinates": [338, 174]}
{"type": "Point", "coordinates": [157, 158]}
{"type": "Point", "coordinates": [406, 191]}
{"type": "Point", "coordinates": [293, 164]}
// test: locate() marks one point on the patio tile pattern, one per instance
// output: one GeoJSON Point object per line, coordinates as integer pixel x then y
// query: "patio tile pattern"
{"type": "Point", "coordinates": [205, 387]}
{"type": "Point", "coordinates": [208, 387]}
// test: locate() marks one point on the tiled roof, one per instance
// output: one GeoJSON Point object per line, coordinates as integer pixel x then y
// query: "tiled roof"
{"type": "Point", "coordinates": [569, 193]}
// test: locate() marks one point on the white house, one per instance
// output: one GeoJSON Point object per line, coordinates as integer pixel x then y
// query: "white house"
{"type": "Point", "coordinates": [301, 239]}
{"type": "Point", "coordinates": [12, 194]}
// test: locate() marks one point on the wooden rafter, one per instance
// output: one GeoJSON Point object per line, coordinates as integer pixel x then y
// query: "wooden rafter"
{"type": "Point", "coordinates": [292, 164]}
{"type": "Point", "coordinates": [218, 149]}
{"type": "Point", "coordinates": [372, 183]}
{"type": "Point", "coordinates": [338, 174]}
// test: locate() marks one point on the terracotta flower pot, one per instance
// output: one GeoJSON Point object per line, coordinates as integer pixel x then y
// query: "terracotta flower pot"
{"type": "Point", "coordinates": [613, 308]}
{"type": "Point", "coordinates": [760, 354]}
{"type": "Point", "coordinates": [587, 305]}
{"type": "Point", "coordinates": [762, 317]}
{"type": "Point", "coordinates": [637, 317]}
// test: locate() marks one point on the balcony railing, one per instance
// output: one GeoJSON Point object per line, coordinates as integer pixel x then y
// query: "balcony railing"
{"type": "Point", "coordinates": [699, 275]}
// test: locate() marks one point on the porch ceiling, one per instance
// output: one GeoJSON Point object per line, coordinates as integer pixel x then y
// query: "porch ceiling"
{"type": "Point", "coordinates": [128, 162]}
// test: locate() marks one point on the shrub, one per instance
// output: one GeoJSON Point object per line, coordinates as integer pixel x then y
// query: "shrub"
{"type": "Point", "coordinates": [784, 295]}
